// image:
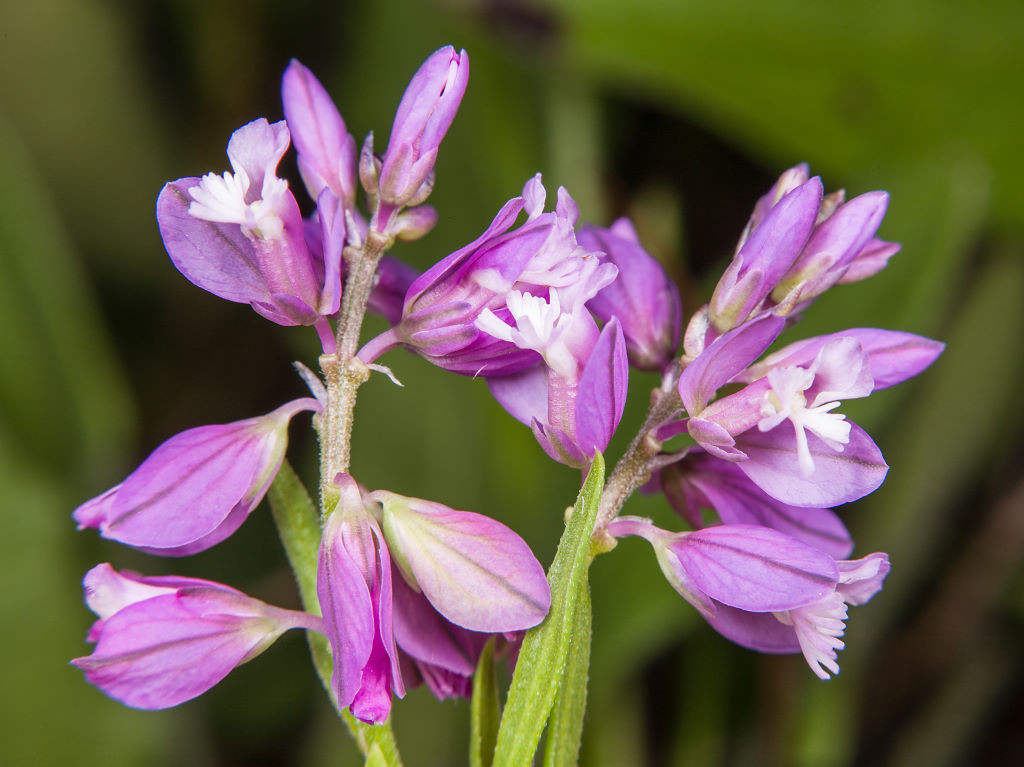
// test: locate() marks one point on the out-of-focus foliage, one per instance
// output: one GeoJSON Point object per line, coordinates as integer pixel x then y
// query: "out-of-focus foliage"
{"type": "Point", "coordinates": [678, 113]}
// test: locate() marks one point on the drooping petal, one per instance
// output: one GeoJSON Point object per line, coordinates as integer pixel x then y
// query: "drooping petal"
{"type": "Point", "coordinates": [837, 478]}
{"type": "Point", "coordinates": [475, 571]}
{"type": "Point", "coordinates": [197, 488]}
{"type": "Point", "coordinates": [755, 568]}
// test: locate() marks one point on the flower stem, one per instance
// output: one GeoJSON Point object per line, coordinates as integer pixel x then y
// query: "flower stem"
{"type": "Point", "coordinates": [633, 469]}
{"type": "Point", "coordinates": [343, 371]}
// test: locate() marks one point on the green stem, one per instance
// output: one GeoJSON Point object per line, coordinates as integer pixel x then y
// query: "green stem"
{"type": "Point", "coordinates": [343, 372]}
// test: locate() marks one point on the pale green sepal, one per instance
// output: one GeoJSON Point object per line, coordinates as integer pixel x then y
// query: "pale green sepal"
{"type": "Point", "coordinates": [393, 504]}
{"type": "Point", "coordinates": [565, 730]}
{"type": "Point", "coordinates": [485, 710]}
{"type": "Point", "coordinates": [298, 525]}
{"type": "Point", "coordinates": [542, 660]}
{"type": "Point", "coordinates": [375, 757]}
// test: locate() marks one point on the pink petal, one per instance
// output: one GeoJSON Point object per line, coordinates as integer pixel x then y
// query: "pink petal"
{"type": "Point", "coordinates": [475, 571]}
{"type": "Point", "coordinates": [755, 568]}
{"type": "Point", "coordinates": [838, 477]}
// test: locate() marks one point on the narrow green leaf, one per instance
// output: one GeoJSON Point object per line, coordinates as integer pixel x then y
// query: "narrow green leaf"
{"type": "Point", "coordinates": [542, 659]}
{"type": "Point", "coordinates": [485, 710]}
{"type": "Point", "coordinates": [565, 731]}
{"type": "Point", "coordinates": [298, 524]}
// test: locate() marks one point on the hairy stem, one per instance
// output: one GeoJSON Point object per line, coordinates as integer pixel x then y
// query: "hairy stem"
{"type": "Point", "coordinates": [634, 468]}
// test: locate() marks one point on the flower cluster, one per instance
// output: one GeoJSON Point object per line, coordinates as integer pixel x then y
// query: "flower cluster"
{"type": "Point", "coordinates": [551, 315]}
{"type": "Point", "coordinates": [772, 455]}
{"type": "Point", "coordinates": [410, 590]}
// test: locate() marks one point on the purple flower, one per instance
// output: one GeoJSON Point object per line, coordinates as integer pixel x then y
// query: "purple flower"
{"type": "Point", "coordinates": [433, 649]}
{"type": "Point", "coordinates": [439, 319]}
{"type": "Point", "coordinates": [454, 569]}
{"type": "Point", "coordinates": [161, 641]}
{"type": "Point", "coordinates": [241, 236]}
{"type": "Point", "coordinates": [796, 246]}
{"type": "Point", "coordinates": [782, 427]}
{"type": "Point", "coordinates": [643, 298]}
{"type": "Point", "coordinates": [767, 251]}
{"type": "Point", "coordinates": [197, 488]}
{"type": "Point", "coordinates": [763, 589]}
{"type": "Point", "coordinates": [573, 402]}
{"type": "Point", "coordinates": [817, 458]}
{"type": "Point", "coordinates": [423, 117]}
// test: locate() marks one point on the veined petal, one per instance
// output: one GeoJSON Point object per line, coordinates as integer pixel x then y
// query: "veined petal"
{"type": "Point", "coordinates": [162, 641]}
{"type": "Point", "coordinates": [755, 568]}
{"type": "Point", "coordinates": [838, 477]}
{"type": "Point", "coordinates": [893, 356]}
{"type": "Point", "coordinates": [475, 571]}
{"type": "Point", "coordinates": [197, 488]}
{"type": "Point", "coordinates": [725, 359]}
{"type": "Point", "coordinates": [327, 152]}
{"type": "Point", "coordinates": [601, 396]}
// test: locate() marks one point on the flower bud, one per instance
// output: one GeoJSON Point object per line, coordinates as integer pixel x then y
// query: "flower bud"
{"type": "Point", "coordinates": [197, 488]}
{"type": "Point", "coordinates": [326, 150]}
{"type": "Point", "coordinates": [424, 116]}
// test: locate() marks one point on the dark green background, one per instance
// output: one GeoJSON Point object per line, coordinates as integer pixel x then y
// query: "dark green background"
{"type": "Point", "coordinates": [673, 112]}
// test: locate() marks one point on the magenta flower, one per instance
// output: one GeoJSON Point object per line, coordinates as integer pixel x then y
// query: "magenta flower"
{"type": "Point", "coordinates": [767, 251]}
{"type": "Point", "coordinates": [161, 641]}
{"type": "Point", "coordinates": [241, 237]}
{"type": "Point", "coordinates": [433, 649]}
{"type": "Point", "coordinates": [643, 297]}
{"type": "Point", "coordinates": [464, 570]}
{"type": "Point", "coordinates": [763, 589]}
{"type": "Point", "coordinates": [439, 319]}
{"type": "Point", "coordinates": [424, 115]}
{"type": "Point", "coordinates": [197, 488]}
{"type": "Point", "coordinates": [797, 244]}
{"type": "Point", "coordinates": [574, 408]}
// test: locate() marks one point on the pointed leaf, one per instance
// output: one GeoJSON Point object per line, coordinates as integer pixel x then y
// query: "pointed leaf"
{"type": "Point", "coordinates": [485, 710]}
{"type": "Point", "coordinates": [542, 660]}
{"type": "Point", "coordinates": [562, 747]}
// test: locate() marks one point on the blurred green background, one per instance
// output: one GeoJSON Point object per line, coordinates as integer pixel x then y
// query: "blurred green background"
{"type": "Point", "coordinates": [677, 113]}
